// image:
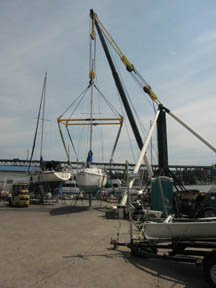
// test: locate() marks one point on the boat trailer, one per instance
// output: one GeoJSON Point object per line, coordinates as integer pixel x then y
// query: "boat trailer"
{"type": "Point", "coordinates": [196, 251]}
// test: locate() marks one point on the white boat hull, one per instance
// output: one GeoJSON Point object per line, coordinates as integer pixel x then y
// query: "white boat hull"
{"type": "Point", "coordinates": [180, 230]}
{"type": "Point", "coordinates": [49, 177]}
{"type": "Point", "coordinates": [91, 179]}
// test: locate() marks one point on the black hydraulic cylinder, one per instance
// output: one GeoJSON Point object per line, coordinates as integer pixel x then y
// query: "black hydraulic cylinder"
{"type": "Point", "coordinates": [119, 86]}
{"type": "Point", "coordinates": [162, 143]}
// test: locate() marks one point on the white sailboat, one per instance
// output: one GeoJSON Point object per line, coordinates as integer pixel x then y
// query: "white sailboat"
{"type": "Point", "coordinates": [50, 176]}
{"type": "Point", "coordinates": [91, 179]}
{"type": "Point", "coordinates": [50, 172]}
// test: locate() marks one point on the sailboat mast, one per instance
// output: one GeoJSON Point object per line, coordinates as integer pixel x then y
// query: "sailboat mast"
{"type": "Point", "coordinates": [43, 114]}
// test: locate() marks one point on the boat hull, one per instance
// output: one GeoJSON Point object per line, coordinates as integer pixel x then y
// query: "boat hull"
{"type": "Point", "coordinates": [91, 179]}
{"type": "Point", "coordinates": [181, 230]}
{"type": "Point", "coordinates": [49, 177]}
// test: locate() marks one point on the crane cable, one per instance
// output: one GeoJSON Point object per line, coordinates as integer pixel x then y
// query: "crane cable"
{"type": "Point", "coordinates": [92, 67]}
{"type": "Point", "coordinates": [92, 56]}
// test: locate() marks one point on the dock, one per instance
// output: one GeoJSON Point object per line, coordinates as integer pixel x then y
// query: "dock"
{"type": "Point", "coordinates": [60, 245]}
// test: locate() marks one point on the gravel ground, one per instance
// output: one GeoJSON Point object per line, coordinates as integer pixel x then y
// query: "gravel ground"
{"type": "Point", "coordinates": [64, 246]}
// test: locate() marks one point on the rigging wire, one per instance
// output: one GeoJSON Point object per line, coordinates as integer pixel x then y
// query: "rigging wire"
{"type": "Point", "coordinates": [79, 99]}
{"type": "Point", "coordinates": [111, 107]}
{"type": "Point", "coordinates": [100, 141]}
{"type": "Point", "coordinates": [81, 144]}
{"type": "Point", "coordinates": [126, 92]}
{"type": "Point", "coordinates": [81, 95]}
{"type": "Point", "coordinates": [129, 138]}
{"type": "Point", "coordinates": [141, 81]}
{"type": "Point", "coordinates": [142, 126]}
{"type": "Point", "coordinates": [72, 143]}
{"type": "Point", "coordinates": [151, 103]}
{"type": "Point", "coordinates": [117, 114]}
{"type": "Point", "coordinates": [127, 129]}
{"type": "Point", "coordinates": [144, 132]}
{"type": "Point", "coordinates": [100, 131]}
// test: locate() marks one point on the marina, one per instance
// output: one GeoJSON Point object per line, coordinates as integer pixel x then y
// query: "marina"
{"type": "Point", "coordinates": [89, 221]}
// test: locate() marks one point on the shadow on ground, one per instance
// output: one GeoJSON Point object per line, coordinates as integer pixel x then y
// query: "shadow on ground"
{"type": "Point", "coordinates": [174, 274]}
{"type": "Point", "coordinates": [177, 273]}
{"type": "Point", "coordinates": [68, 210]}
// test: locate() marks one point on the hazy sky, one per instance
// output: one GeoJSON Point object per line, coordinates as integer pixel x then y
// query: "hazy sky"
{"type": "Point", "coordinates": [172, 43]}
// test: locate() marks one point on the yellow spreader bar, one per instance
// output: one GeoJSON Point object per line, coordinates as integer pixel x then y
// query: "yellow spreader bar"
{"type": "Point", "coordinates": [76, 121]}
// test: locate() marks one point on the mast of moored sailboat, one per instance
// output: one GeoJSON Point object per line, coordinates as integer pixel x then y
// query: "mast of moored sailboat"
{"type": "Point", "coordinates": [43, 114]}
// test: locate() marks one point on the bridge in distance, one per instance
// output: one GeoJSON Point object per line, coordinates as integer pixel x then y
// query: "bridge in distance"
{"type": "Point", "coordinates": [118, 167]}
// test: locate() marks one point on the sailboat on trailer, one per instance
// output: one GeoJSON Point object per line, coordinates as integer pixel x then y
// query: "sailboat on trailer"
{"type": "Point", "coordinates": [50, 172]}
{"type": "Point", "coordinates": [90, 178]}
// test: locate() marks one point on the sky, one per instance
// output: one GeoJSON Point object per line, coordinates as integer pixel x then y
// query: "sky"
{"type": "Point", "coordinates": [172, 43]}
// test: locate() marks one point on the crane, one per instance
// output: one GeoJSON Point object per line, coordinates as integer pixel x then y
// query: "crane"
{"type": "Point", "coordinates": [160, 116]}
{"type": "Point", "coordinates": [138, 77]}
{"type": "Point", "coordinates": [101, 32]}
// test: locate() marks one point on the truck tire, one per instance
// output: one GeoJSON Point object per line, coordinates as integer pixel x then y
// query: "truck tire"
{"type": "Point", "coordinates": [209, 268]}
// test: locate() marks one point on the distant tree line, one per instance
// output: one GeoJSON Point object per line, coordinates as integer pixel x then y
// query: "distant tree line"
{"type": "Point", "coordinates": [185, 176]}
{"type": "Point", "coordinates": [194, 176]}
